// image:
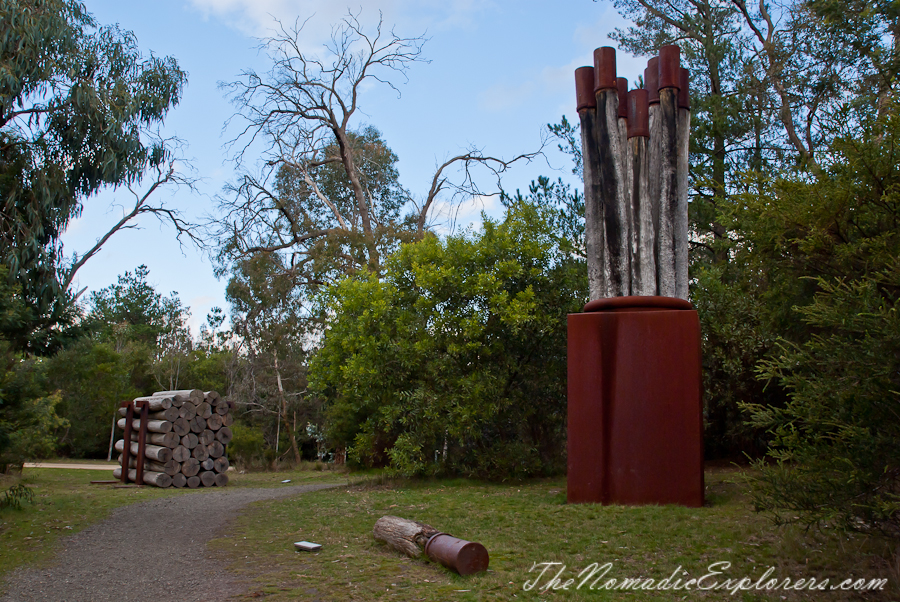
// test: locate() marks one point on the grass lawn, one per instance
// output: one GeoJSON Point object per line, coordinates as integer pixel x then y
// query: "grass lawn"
{"type": "Point", "coordinates": [521, 524]}
{"type": "Point", "coordinates": [528, 523]}
{"type": "Point", "coordinates": [66, 502]}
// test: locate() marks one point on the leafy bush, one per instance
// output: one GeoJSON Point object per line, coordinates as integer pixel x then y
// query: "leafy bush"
{"type": "Point", "coordinates": [837, 440]}
{"type": "Point", "coordinates": [455, 361]}
{"type": "Point", "coordinates": [15, 496]}
{"type": "Point", "coordinates": [248, 446]}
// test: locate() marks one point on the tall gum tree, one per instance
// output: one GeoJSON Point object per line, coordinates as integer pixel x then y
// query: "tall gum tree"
{"type": "Point", "coordinates": [80, 109]}
{"type": "Point", "coordinates": [304, 112]}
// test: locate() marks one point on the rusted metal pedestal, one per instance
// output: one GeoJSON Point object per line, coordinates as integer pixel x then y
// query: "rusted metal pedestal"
{"type": "Point", "coordinates": [635, 423]}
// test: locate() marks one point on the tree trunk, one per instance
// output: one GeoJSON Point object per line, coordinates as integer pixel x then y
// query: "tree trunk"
{"type": "Point", "coordinates": [200, 453]}
{"type": "Point", "coordinates": [153, 426]}
{"type": "Point", "coordinates": [406, 536]}
{"type": "Point", "coordinates": [220, 464]}
{"type": "Point", "coordinates": [224, 435]}
{"type": "Point", "coordinates": [170, 415]}
{"type": "Point", "coordinates": [198, 424]}
{"type": "Point", "coordinates": [206, 437]}
{"type": "Point", "coordinates": [181, 454]}
{"type": "Point", "coordinates": [214, 422]}
{"type": "Point", "coordinates": [171, 467]}
{"type": "Point", "coordinates": [157, 479]}
{"type": "Point", "coordinates": [193, 482]}
{"type": "Point", "coordinates": [204, 410]}
{"type": "Point", "coordinates": [157, 404]}
{"type": "Point", "coordinates": [188, 411]}
{"type": "Point", "coordinates": [169, 440]}
{"type": "Point", "coordinates": [287, 426]}
{"type": "Point", "coordinates": [215, 449]}
{"type": "Point", "coordinates": [193, 395]}
{"type": "Point", "coordinates": [221, 479]}
{"type": "Point", "coordinates": [190, 441]}
{"type": "Point", "coordinates": [190, 467]}
{"type": "Point", "coordinates": [181, 427]}
{"type": "Point", "coordinates": [179, 480]}
{"type": "Point", "coordinates": [208, 478]}
{"type": "Point", "coordinates": [154, 452]}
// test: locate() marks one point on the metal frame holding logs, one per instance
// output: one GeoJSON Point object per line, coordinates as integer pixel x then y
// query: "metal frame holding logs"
{"type": "Point", "coordinates": [144, 408]}
{"type": "Point", "coordinates": [175, 438]}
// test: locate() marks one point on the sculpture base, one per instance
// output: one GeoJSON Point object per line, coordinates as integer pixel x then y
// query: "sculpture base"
{"type": "Point", "coordinates": [635, 422]}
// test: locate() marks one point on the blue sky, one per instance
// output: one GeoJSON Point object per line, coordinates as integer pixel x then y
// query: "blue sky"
{"type": "Point", "coordinates": [498, 72]}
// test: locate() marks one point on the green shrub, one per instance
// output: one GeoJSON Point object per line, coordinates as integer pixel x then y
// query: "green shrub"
{"type": "Point", "coordinates": [248, 446]}
{"type": "Point", "coordinates": [454, 360]}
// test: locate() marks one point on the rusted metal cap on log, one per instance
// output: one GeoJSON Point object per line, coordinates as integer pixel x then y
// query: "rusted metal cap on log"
{"type": "Point", "coordinates": [604, 68]}
{"type": "Point", "coordinates": [584, 88]}
{"type": "Point", "coordinates": [638, 117]}
{"type": "Point", "coordinates": [669, 64]}
{"type": "Point", "coordinates": [684, 88]}
{"type": "Point", "coordinates": [464, 557]}
{"type": "Point", "coordinates": [651, 80]}
{"type": "Point", "coordinates": [622, 85]}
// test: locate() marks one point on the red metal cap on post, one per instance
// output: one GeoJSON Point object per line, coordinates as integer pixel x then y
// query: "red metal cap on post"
{"type": "Point", "coordinates": [638, 117]}
{"type": "Point", "coordinates": [622, 84]}
{"type": "Point", "coordinates": [651, 80]}
{"type": "Point", "coordinates": [584, 88]}
{"type": "Point", "coordinates": [604, 68]}
{"type": "Point", "coordinates": [684, 88]}
{"type": "Point", "coordinates": [669, 64]}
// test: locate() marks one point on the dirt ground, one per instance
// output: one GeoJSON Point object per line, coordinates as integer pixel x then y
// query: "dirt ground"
{"type": "Point", "coordinates": [154, 550]}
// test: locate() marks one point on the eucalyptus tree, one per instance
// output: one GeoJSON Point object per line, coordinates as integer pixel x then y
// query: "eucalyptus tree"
{"type": "Point", "coordinates": [79, 111]}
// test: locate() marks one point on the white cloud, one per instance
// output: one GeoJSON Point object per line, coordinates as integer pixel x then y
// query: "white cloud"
{"type": "Point", "coordinates": [258, 17]}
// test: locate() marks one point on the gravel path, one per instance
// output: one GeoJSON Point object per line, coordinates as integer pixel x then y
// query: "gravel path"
{"type": "Point", "coordinates": [170, 533]}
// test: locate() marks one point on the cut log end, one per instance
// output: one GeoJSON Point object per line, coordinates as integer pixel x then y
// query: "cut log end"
{"type": "Point", "coordinates": [405, 536]}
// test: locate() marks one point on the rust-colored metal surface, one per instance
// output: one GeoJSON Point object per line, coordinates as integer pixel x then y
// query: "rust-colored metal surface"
{"type": "Point", "coordinates": [584, 88]}
{"type": "Point", "coordinates": [126, 448]}
{"type": "Point", "coordinates": [144, 406]}
{"type": "Point", "coordinates": [622, 85]}
{"type": "Point", "coordinates": [651, 80]}
{"type": "Point", "coordinates": [684, 88]}
{"type": "Point", "coordinates": [464, 557]}
{"type": "Point", "coordinates": [635, 426]}
{"type": "Point", "coordinates": [605, 68]}
{"type": "Point", "coordinates": [638, 116]}
{"type": "Point", "coordinates": [669, 64]}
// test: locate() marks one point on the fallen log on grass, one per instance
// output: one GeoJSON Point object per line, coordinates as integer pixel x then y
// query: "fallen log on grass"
{"type": "Point", "coordinates": [413, 538]}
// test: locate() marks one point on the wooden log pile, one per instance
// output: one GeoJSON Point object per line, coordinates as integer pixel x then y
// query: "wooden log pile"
{"type": "Point", "coordinates": [186, 436]}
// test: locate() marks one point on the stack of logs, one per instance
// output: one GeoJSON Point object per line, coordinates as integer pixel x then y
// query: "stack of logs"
{"type": "Point", "coordinates": [187, 434]}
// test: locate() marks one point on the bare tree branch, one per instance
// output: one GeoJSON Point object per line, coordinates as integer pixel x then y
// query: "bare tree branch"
{"type": "Point", "coordinates": [165, 174]}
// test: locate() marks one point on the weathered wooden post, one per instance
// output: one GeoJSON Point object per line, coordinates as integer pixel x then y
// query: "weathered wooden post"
{"type": "Point", "coordinates": [635, 416]}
